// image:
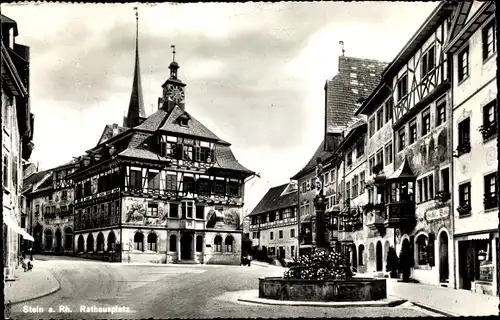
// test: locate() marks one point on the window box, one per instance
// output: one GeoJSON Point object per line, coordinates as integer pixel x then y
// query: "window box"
{"type": "Point", "coordinates": [464, 210]}
{"type": "Point", "coordinates": [490, 201]}
{"type": "Point", "coordinates": [377, 169]}
{"type": "Point", "coordinates": [442, 196]}
{"type": "Point", "coordinates": [488, 130]}
{"type": "Point", "coordinates": [462, 149]}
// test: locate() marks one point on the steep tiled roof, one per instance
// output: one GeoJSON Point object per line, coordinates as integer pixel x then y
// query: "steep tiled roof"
{"type": "Point", "coordinates": [194, 127]}
{"type": "Point", "coordinates": [354, 82]}
{"type": "Point", "coordinates": [273, 200]}
{"type": "Point", "coordinates": [33, 179]}
{"type": "Point", "coordinates": [320, 152]}
{"type": "Point", "coordinates": [225, 159]}
{"type": "Point", "coordinates": [161, 120]}
{"type": "Point", "coordinates": [108, 133]}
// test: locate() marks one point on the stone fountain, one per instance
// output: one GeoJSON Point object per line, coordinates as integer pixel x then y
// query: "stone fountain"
{"type": "Point", "coordinates": [321, 275]}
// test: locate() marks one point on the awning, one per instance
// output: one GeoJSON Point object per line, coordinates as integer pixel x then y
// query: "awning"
{"type": "Point", "coordinates": [12, 224]}
{"type": "Point", "coordinates": [482, 236]}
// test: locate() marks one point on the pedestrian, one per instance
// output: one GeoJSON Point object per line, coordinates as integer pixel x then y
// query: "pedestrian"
{"type": "Point", "coordinates": [30, 251]}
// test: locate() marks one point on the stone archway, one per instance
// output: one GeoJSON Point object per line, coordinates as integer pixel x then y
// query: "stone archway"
{"type": "Point", "coordinates": [354, 257]}
{"type": "Point", "coordinates": [186, 246]}
{"type": "Point", "coordinates": [444, 268]}
{"type": "Point", "coordinates": [58, 247]}
{"type": "Point", "coordinates": [38, 235]}
{"type": "Point", "coordinates": [379, 257]}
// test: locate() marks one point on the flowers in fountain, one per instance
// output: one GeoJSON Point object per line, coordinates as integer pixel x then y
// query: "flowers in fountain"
{"type": "Point", "coordinates": [320, 265]}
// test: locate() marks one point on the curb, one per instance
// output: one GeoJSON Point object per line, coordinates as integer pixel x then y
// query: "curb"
{"type": "Point", "coordinates": [349, 304]}
{"type": "Point", "coordinates": [436, 310]}
{"type": "Point", "coordinates": [51, 291]}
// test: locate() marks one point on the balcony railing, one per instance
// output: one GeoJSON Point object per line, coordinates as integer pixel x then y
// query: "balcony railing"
{"type": "Point", "coordinates": [400, 214]}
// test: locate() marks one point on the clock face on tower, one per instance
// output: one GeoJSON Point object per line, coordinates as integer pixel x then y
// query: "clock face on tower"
{"type": "Point", "coordinates": [175, 93]}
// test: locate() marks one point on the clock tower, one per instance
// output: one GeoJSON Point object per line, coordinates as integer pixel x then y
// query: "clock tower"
{"type": "Point", "coordinates": [173, 89]}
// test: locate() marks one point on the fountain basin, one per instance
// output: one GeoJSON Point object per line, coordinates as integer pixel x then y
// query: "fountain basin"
{"type": "Point", "coordinates": [354, 289]}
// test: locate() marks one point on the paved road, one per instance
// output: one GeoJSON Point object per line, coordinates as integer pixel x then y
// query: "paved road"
{"type": "Point", "coordinates": [170, 291]}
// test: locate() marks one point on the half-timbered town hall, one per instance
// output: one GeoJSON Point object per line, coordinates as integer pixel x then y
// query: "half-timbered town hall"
{"type": "Point", "coordinates": [161, 189]}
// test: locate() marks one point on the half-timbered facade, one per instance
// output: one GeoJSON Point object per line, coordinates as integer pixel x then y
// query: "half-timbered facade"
{"type": "Point", "coordinates": [49, 198]}
{"type": "Point", "coordinates": [165, 189]}
{"type": "Point", "coordinates": [273, 222]}
{"type": "Point", "coordinates": [475, 185]}
{"type": "Point", "coordinates": [418, 205]}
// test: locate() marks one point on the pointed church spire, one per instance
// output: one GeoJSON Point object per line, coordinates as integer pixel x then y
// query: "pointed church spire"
{"type": "Point", "coordinates": [136, 106]}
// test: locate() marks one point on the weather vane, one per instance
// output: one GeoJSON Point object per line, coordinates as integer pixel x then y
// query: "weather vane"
{"type": "Point", "coordinates": [173, 52]}
{"type": "Point", "coordinates": [342, 44]}
{"type": "Point", "coordinates": [136, 13]}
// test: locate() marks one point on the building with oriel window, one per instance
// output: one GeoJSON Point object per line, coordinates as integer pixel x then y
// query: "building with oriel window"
{"type": "Point", "coordinates": [161, 189]}
{"type": "Point", "coordinates": [472, 47]}
{"type": "Point", "coordinates": [17, 126]}
{"type": "Point", "coordinates": [273, 222]}
{"type": "Point", "coordinates": [372, 251]}
{"type": "Point", "coordinates": [418, 202]}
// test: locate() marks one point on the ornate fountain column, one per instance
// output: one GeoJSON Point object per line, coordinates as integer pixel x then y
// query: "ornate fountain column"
{"type": "Point", "coordinates": [320, 207]}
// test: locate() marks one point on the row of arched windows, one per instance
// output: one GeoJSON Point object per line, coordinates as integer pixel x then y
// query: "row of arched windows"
{"type": "Point", "coordinates": [139, 241]}
{"type": "Point", "coordinates": [99, 245]}
{"type": "Point", "coordinates": [152, 243]}
{"type": "Point", "coordinates": [228, 244]}
{"type": "Point", "coordinates": [68, 239]}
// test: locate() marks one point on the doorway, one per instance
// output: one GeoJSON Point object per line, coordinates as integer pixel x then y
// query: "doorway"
{"type": "Point", "coordinates": [58, 241]}
{"type": "Point", "coordinates": [465, 264]}
{"type": "Point", "coordinates": [444, 270]}
{"type": "Point", "coordinates": [186, 246]}
{"type": "Point", "coordinates": [354, 256]}
{"type": "Point", "coordinates": [38, 232]}
{"type": "Point", "coordinates": [379, 256]}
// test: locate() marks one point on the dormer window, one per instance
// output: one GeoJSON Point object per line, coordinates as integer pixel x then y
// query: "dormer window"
{"type": "Point", "coordinates": [184, 122]}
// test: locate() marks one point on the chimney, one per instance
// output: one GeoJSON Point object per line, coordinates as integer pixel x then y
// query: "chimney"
{"type": "Point", "coordinates": [115, 129]}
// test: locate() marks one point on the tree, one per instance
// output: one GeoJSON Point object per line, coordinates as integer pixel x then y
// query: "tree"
{"type": "Point", "coordinates": [405, 262]}
{"type": "Point", "coordinates": [392, 263]}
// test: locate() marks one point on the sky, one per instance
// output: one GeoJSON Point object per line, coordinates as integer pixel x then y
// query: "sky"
{"type": "Point", "coordinates": [255, 72]}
